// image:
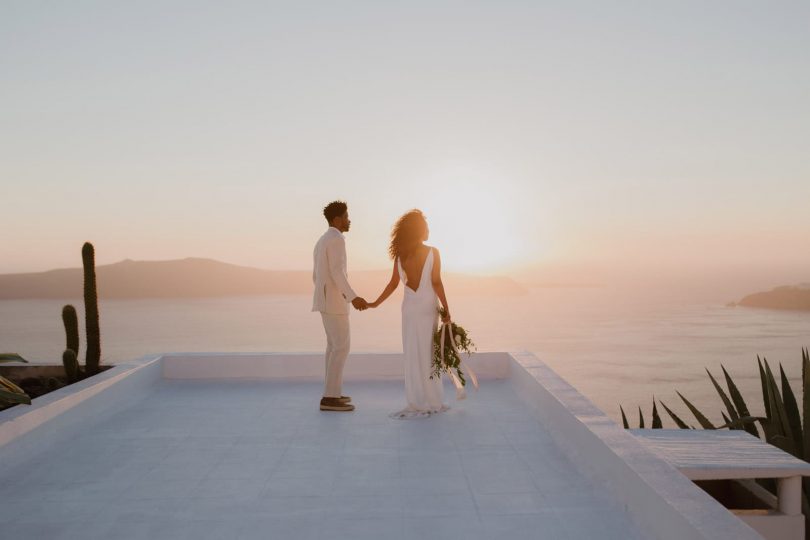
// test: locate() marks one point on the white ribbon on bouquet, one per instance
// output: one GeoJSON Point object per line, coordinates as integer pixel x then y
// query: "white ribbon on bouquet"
{"type": "Point", "coordinates": [465, 368]}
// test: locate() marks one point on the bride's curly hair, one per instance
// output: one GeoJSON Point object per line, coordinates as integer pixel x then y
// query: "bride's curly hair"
{"type": "Point", "coordinates": [408, 232]}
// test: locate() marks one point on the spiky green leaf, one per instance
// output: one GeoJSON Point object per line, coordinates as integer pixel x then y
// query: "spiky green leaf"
{"type": "Point", "coordinates": [10, 386]}
{"type": "Point", "coordinates": [741, 421]}
{"type": "Point", "coordinates": [792, 412]}
{"type": "Point", "coordinates": [678, 422]}
{"type": "Point", "coordinates": [726, 401]}
{"type": "Point", "coordinates": [739, 402]}
{"type": "Point", "coordinates": [784, 443]}
{"type": "Point", "coordinates": [640, 419]}
{"type": "Point", "coordinates": [763, 381]}
{"type": "Point", "coordinates": [7, 396]}
{"type": "Point", "coordinates": [11, 357]}
{"type": "Point", "coordinates": [624, 419]}
{"type": "Point", "coordinates": [806, 404]}
{"type": "Point", "coordinates": [11, 393]}
{"type": "Point", "coordinates": [656, 419]}
{"type": "Point", "coordinates": [776, 402]}
{"type": "Point", "coordinates": [702, 420]}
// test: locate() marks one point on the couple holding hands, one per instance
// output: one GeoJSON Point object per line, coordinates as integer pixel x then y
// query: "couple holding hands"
{"type": "Point", "coordinates": [418, 266]}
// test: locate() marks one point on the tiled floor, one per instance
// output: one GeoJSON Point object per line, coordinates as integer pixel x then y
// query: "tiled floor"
{"type": "Point", "coordinates": [256, 459]}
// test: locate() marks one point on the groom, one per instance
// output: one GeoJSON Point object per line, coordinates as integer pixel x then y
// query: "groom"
{"type": "Point", "coordinates": [332, 294]}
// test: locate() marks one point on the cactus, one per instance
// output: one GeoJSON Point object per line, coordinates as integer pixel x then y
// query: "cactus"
{"type": "Point", "coordinates": [71, 364]}
{"type": "Point", "coordinates": [71, 321]}
{"type": "Point", "coordinates": [93, 355]}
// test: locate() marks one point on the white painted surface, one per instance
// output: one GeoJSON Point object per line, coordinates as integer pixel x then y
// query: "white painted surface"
{"type": "Point", "coordinates": [789, 494]}
{"type": "Point", "coordinates": [307, 366]}
{"type": "Point", "coordinates": [525, 457]}
{"type": "Point", "coordinates": [775, 526]}
{"type": "Point", "coordinates": [256, 459]}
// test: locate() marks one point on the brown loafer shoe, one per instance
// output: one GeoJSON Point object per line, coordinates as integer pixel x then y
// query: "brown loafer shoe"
{"type": "Point", "coordinates": [335, 404]}
{"type": "Point", "coordinates": [342, 399]}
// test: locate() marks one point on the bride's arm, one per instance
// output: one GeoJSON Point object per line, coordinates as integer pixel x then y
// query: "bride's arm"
{"type": "Point", "coordinates": [390, 288]}
{"type": "Point", "coordinates": [438, 286]}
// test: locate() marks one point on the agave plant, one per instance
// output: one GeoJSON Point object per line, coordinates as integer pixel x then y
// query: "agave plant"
{"type": "Point", "coordinates": [10, 393]}
{"type": "Point", "coordinates": [656, 419]}
{"type": "Point", "coordinates": [783, 425]}
{"type": "Point", "coordinates": [736, 423]}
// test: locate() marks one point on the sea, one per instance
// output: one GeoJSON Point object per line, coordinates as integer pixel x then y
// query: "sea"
{"type": "Point", "coordinates": [615, 348]}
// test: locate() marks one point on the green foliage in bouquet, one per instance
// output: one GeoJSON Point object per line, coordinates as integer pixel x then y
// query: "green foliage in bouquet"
{"type": "Point", "coordinates": [452, 360]}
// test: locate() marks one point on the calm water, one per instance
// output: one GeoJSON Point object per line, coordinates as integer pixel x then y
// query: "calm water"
{"type": "Point", "coordinates": [613, 348]}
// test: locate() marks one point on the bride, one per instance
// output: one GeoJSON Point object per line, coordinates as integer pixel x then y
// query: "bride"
{"type": "Point", "coordinates": [418, 266]}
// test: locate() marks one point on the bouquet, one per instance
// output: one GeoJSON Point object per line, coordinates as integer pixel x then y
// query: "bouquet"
{"type": "Point", "coordinates": [449, 342]}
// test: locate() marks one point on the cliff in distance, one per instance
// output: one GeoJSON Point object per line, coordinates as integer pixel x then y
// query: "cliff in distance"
{"type": "Point", "coordinates": [787, 297]}
{"type": "Point", "coordinates": [194, 277]}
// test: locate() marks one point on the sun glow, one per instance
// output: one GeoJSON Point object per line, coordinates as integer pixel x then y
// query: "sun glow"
{"type": "Point", "coordinates": [473, 222]}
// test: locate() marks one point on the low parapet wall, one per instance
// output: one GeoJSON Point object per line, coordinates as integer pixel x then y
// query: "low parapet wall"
{"type": "Point", "coordinates": [364, 366]}
{"type": "Point", "coordinates": [26, 430]}
{"type": "Point", "coordinates": [662, 501]}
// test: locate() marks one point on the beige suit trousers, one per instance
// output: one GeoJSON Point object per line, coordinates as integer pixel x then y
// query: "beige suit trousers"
{"type": "Point", "coordinates": [337, 350]}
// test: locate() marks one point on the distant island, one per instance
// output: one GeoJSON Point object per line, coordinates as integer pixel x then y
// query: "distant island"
{"type": "Point", "coordinates": [196, 277]}
{"type": "Point", "coordinates": [792, 297]}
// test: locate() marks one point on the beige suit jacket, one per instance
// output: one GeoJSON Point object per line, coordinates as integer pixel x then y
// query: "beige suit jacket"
{"type": "Point", "coordinates": [332, 290]}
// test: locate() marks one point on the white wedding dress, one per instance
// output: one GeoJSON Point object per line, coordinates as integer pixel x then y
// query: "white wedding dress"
{"type": "Point", "coordinates": [419, 321]}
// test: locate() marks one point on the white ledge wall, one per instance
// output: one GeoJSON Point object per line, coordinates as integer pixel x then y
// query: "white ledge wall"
{"type": "Point", "coordinates": [27, 430]}
{"type": "Point", "coordinates": [662, 501]}
{"type": "Point", "coordinates": [370, 366]}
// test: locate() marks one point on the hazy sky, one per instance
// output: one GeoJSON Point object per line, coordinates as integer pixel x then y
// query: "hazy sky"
{"type": "Point", "coordinates": [606, 133]}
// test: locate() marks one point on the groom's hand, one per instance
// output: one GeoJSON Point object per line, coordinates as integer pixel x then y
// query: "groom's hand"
{"type": "Point", "coordinates": [360, 304]}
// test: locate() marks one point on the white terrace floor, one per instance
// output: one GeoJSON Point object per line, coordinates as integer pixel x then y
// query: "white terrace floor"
{"type": "Point", "coordinates": [256, 459]}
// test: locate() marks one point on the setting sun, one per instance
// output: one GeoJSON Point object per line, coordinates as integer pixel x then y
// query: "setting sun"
{"type": "Point", "coordinates": [473, 222]}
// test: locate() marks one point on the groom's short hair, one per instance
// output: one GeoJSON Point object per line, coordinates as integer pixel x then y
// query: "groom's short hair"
{"type": "Point", "coordinates": [334, 209]}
